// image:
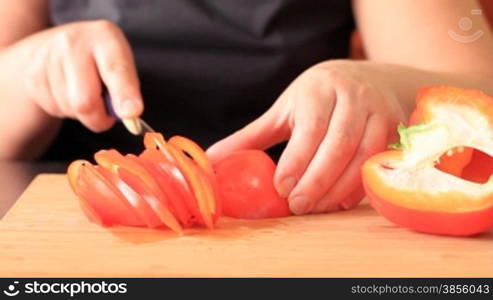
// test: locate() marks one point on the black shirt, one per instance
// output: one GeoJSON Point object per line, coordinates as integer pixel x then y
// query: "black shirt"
{"type": "Point", "coordinates": [207, 68]}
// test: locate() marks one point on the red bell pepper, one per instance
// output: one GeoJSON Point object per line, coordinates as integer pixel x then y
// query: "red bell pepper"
{"type": "Point", "coordinates": [426, 182]}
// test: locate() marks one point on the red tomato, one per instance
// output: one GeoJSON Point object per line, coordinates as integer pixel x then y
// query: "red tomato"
{"type": "Point", "coordinates": [139, 204]}
{"type": "Point", "coordinates": [200, 186]}
{"type": "Point", "coordinates": [245, 180]}
{"type": "Point", "coordinates": [102, 203]}
{"type": "Point", "coordinates": [170, 185]}
{"type": "Point", "coordinates": [172, 176]}
{"type": "Point", "coordinates": [156, 201]}
{"type": "Point", "coordinates": [140, 180]}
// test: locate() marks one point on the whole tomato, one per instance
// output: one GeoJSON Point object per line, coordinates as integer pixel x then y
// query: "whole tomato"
{"type": "Point", "coordinates": [245, 180]}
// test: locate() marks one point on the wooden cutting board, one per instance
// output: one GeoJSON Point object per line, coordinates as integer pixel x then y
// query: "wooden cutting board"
{"type": "Point", "coordinates": [45, 234]}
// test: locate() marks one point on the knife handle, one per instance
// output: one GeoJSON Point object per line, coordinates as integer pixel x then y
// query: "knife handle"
{"type": "Point", "coordinates": [134, 126]}
{"type": "Point", "coordinates": [108, 104]}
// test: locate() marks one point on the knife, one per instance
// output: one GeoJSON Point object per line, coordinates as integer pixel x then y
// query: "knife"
{"type": "Point", "coordinates": [135, 126]}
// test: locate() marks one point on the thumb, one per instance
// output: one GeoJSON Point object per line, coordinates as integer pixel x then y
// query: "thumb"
{"type": "Point", "coordinates": [264, 132]}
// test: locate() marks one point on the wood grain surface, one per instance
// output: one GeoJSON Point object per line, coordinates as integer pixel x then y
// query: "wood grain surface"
{"type": "Point", "coordinates": [45, 234]}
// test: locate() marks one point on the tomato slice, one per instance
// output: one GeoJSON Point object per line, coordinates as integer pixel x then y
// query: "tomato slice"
{"type": "Point", "coordinates": [141, 180]}
{"type": "Point", "coordinates": [204, 195]}
{"type": "Point", "coordinates": [212, 192]}
{"type": "Point", "coordinates": [73, 172]}
{"type": "Point", "coordinates": [139, 205]}
{"type": "Point", "coordinates": [113, 160]}
{"type": "Point", "coordinates": [100, 197]}
{"type": "Point", "coordinates": [155, 140]}
{"type": "Point", "coordinates": [194, 151]}
{"type": "Point", "coordinates": [166, 191]}
{"type": "Point", "coordinates": [201, 189]}
{"type": "Point", "coordinates": [173, 184]}
{"type": "Point", "coordinates": [154, 200]}
{"type": "Point", "coordinates": [200, 158]}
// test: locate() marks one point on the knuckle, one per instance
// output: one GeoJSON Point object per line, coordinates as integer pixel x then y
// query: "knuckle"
{"type": "Point", "coordinates": [104, 26]}
{"type": "Point", "coordinates": [364, 90]}
{"type": "Point", "coordinates": [98, 125]}
{"type": "Point", "coordinates": [117, 68]}
{"type": "Point", "coordinates": [364, 93]}
{"type": "Point", "coordinates": [98, 128]}
{"type": "Point", "coordinates": [83, 105]}
{"type": "Point", "coordinates": [50, 108]}
{"type": "Point", "coordinates": [344, 138]}
{"type": "Point", "coordinates": [292, 166]}
{"type": "Point", "coordinates": [318, 181]}
{"type": "Point", "coordinates": [32, 81]}
{"type": "Point", "coordinates": [322, 73]}
{"type": "Point", "coordinates": [315, 127]}
{"type": "Point", "coordinates": [331, 73]}
{"type": "Point", "coordinates": [66, 38]}
{"type": "Point", "coordinates": [368, 149]}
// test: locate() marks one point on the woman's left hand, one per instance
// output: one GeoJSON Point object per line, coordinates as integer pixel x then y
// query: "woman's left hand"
{"type": "Point", "coordinates": [335, 115]}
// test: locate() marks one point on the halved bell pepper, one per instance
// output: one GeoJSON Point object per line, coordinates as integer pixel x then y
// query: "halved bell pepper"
{"type": "Point", "coordinates": [419, 184]}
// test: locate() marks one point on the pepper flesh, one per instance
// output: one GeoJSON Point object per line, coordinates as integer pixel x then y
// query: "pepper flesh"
{"type": "Point", "coordinates": [409, 187]}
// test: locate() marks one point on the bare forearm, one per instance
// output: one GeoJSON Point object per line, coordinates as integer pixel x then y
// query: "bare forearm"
{"type": "Point", "coordinates": [25, 129]}
{"type": "Point", "coordinates": [405, 81]}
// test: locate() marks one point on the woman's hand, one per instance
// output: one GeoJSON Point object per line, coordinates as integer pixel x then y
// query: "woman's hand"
{"type": "Point", "coordinates": [335, 115]}
{"type": "Point", "coordinates": [65, 66]}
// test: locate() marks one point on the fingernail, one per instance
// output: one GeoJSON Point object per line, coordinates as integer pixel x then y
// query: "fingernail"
{"type": "Point", "coordinates": [299, 205]}
{"type": "Point", "coordinates": [129, 108]}
{"type": "Point", "coordinates": [286, 186]}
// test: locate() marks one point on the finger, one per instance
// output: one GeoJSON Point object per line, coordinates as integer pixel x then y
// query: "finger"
{"type": "Point", "coordinates": [311, 120]}
{"type": "Point", "coordinates": [346, 192]}
{"type": "Point", "coordinates": [116, 67]}
{"type": "Point", "coordinates": [84, 92]}
{"type": "Point", "coordinates": [350, 202]}
{"type": "Point", "coordinates": [266, 131]}
{"type": "Point", "coordinates": [338, 146]}
{"type": "Point", "coordinates": [45, 98]}
{"type": "Point", "coordinates": [38, 86]}
{"type": "Point", "coordinates": [57, 84]}
{"type": "Point", "coordinates": [353, 199]}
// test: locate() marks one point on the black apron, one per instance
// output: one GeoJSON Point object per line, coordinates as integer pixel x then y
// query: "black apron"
{"type": "Point", "coordinates": [207, 68]}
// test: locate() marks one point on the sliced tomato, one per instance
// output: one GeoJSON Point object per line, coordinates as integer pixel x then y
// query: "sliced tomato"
{"type": "Point", "coordinates": [201, 190]}
{"type": "Point", "coordinates": [73, 172]}
{"type": "Point", "coordinates": [245, 180]}
{"type": "Point", "coordinates": [198, 155]}
{"type": "Point", "coordinates": [154, 200]}
{"type": "Point", "coordinates": [155, 140]}
{"type": "Point", "coordinates": [173, 184]}
{"type": "Point", "coordinates": [113, 160]}
{"type": "Point", "coordinates": [183, 145]}
{"type": "Point", "coordinates": [209, 184]}
{"type": "Point", "coordinates": [194, 151]}
{"type": "Point", "coordinates": [174, 153]}
{"type": "Point", "coordinates": [166, 191]}
{"type": "Point", "coordinates": [139, 204]}
{"type": "Point", "coordinates": [100, 198]}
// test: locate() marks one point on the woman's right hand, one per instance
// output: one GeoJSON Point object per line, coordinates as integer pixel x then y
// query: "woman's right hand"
{"type": "Point", "coordinates": [66, 66]}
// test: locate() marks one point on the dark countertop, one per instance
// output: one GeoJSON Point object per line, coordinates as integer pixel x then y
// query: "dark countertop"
{"type": "Point", "coordinates": [16, 176]}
